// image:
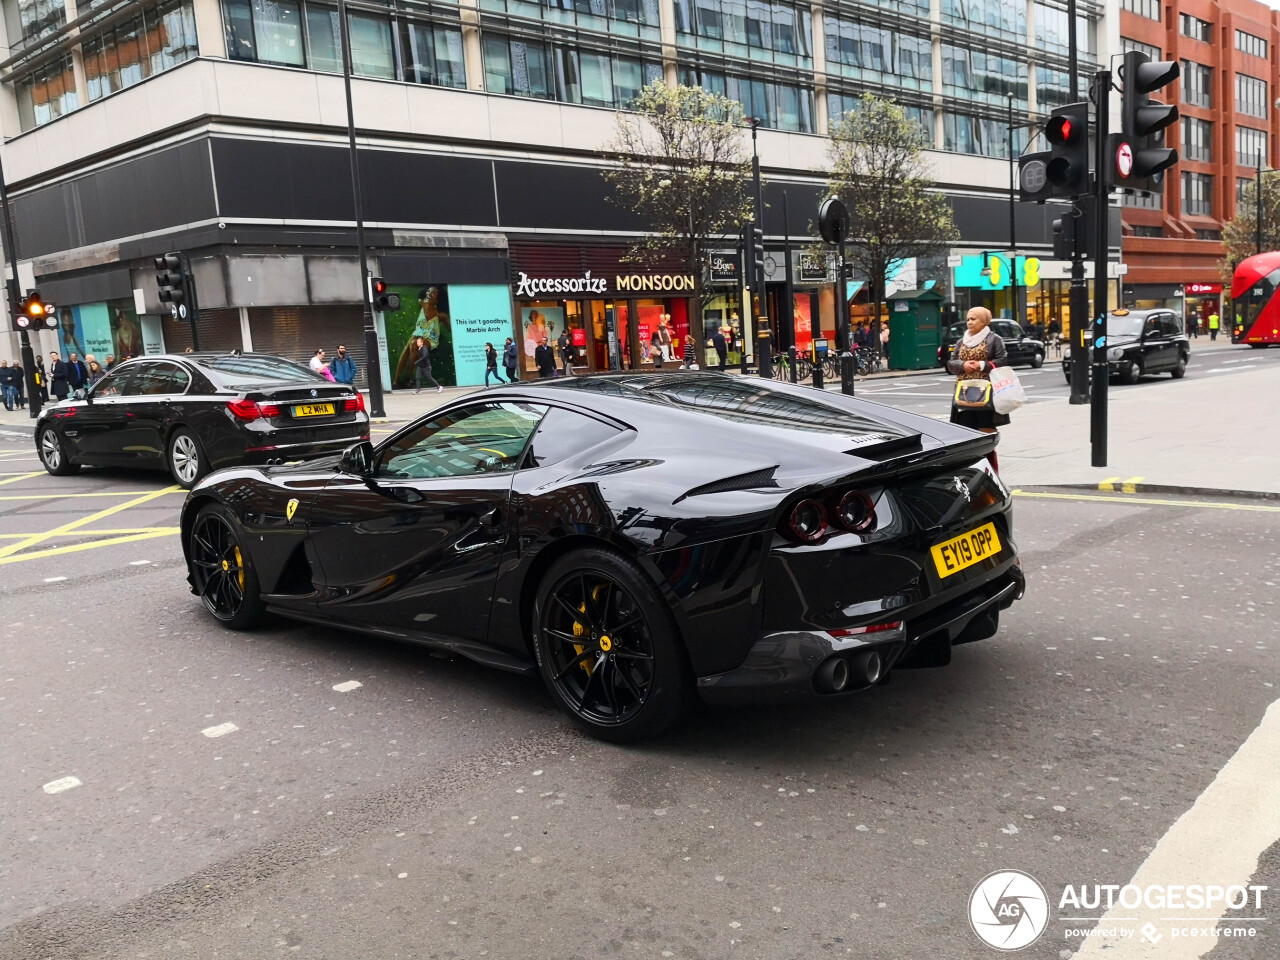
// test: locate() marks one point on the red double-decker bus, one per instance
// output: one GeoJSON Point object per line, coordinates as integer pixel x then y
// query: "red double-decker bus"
{"type": "Point", "coordinates": [1254, 290]}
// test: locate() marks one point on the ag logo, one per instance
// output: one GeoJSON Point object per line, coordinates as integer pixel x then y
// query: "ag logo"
{"type": "Point", "coordinates": [291, 509]}
{"type": "Point", "coordinates": [1008, 910]}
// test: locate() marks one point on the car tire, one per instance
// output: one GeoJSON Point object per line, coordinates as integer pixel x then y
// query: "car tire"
{"type": "Point", "coordinates": [53, 454]}
{"type": "Point", "coordinates": [629, 678]}
{"type": "Point", "coordinates": [1130, 372]}
{"type": "Point", "coordinates": [1180, 370]}
{"type": "Point", "coordinates": [1037, 360]}
{"type": "Point", "coordinates": [1066, 374]}
{"type": "Point", "coordinates": [222, 571]}
{"type": "Point", "coordinates": [185, 459]}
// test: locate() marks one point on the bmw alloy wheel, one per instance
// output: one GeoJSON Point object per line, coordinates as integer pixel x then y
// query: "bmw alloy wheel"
{"type": "Point", "coordinates": [184, 458]}
{"type": "Point", "coordinates": [51, 451]}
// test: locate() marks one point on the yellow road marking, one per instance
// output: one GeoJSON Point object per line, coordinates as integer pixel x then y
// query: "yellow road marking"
{"type": "Point", "coordinates": [1109, 483]}
{"type": "Point", "coordinates": [21, 476]}
{"type": "Point", "coordinates": [100, 493]}
{"type": "Point", "coordinates": [1149, 501]}
{"type": "Point", "coordinates": [119, 531]}
{"type": "Point", "coordinates": [1129, 485]}
{"type": "Point", "coordinates": [76, 547]}
{"type": "Point", "coordinates": [85, 521]}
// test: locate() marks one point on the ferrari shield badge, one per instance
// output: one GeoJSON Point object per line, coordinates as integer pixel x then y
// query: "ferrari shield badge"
{"type": "Point", "coordinates": [291, 509]}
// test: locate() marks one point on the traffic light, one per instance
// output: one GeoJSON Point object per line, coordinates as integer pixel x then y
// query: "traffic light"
{"type": "Point", "coordinates": [33, 313]}
{"type": "Point", "coordinates": [1067, 169]}
{"type": "Point", "coordinates": [757, 256]}
{"type": "Point", "coordinates": [1139, 157]}
{"type": "Point", "coordinates": [381, 297]}
{"type": "Point", "coordinates": [1033, 177]}
{"type": "Point", "coordinates": [171, 282]}
{"type": "Point", "coordinates": [1064, 237]}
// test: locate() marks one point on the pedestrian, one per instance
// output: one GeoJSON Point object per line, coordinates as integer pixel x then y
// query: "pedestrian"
{"type": "Point", "coordinates": [973, 357]}
{"type": "Point", "coordinates": [58, 371]}
{"type": "Point", "coordinates": [721, 347]}
{"type": "Point", "coordinates": [1193, 324]}
{"type": "Point", "coordinates": [545, 360]}
{"type": "Point", "coordinates": [42, 380]}
{"type": "Point", "coordinates": [77, 372]}
{"type": "Point", "coordinates": [20, 382]}
{"type": "Point", "coordinates": [860, 335]}
{"type": "Point", "coordinates": [96, 372]}
{"type": "Point", "coordinates": [422, 367]}
{"type": "Point", "coordinates": [8, 390]}
{"type": "Point", "coordinates": [491, 364]}
{"type": "Point", "coordinates": [511, 359]}
{"type": "Point", "coordinates": [884, 338]}
{"type": "Point", "coordinates": [343, 367]}
{"type": "Point", "coordinates": [111, 362]}
{"type": "Point", "coordinates": [317, 362]}
{"type": "Point", "coordinates": [565, 349]}
{"type": "Point", "coordinates": [1213, 326]}
{"type": "Point", "coordinates": [655, 348]}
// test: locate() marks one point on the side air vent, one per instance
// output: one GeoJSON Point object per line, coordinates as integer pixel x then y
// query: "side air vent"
{"type": "Point", "coordinates": [754, 480]}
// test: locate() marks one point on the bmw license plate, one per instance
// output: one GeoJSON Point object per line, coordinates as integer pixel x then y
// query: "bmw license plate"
{"type": "Point", "coordinates": [965, 550]}
{"type": "Point", "coordinates": [313, 410]}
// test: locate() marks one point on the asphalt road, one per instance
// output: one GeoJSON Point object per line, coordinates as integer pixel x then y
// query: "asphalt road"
{"type": "Point", "coordinates": [444, 810]}
{"type": "Point", "coordinates": [931, 393]}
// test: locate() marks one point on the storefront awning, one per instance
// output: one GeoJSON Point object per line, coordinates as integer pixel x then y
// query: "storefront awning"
{"type": "Point", "coordinates": [852, 287]}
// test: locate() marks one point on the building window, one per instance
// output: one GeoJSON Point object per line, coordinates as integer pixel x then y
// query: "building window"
{"type": "Point", "coordinates": [1144, 201]}
{"type": "Point", "coordinates": [863, 51]}
{"type": "Point", "coordinates": [778, 105]}
{"type": "Point", "coordinates": [1195, 28]}
{"type": "Point", "coordinates": [982, 75]}
{"type": "Point", "coordinates": [1053, 88]}
{"type": "Point", "coordinates": [1143, 8]}
{"type": "Point", "coordinates": [531, 68]}
{"type": "Point", "coordinates": [1208, 234]}
{"type": "Point", "coordinates": [287, 33]}
{"type": "Point", "coordinates": [1152, 52]}
{"type": "Point", "coordinates": [986, 16]}
{"type": "Point", "coordinates": [1140, 230]}
{"type": "Point", "coordinates": [1197, 194]}
{"type": "Point", "coordinates": [30, 19]}
{"type": "Point", "coordinates": [1196, 84]}
{"type": "Point", "coordinates": [841, 103]}
{"type": "Point", "coordinates": [743, 29]}
{"type": "Point", "coordinates": [1250, 146]}
{"type": "Point", "coordinates": [1242, 184]}
{"type": "Point", "coordinates": [150, 42]}
{"type": "Point", "coordinates": [982, 136]}
{"type": "Point", "coordinates": [434, 54]}
{"type": "Point", "coordinates": [1248, 43]}
{"type": "Point", "coordinates": [46, 93]}
{"type": "Point", "coordinates": [1251, 95]}
{"type": "Point", "coordinates": [1197, 139]}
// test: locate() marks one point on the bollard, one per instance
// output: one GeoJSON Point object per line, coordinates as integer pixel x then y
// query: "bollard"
{"type": "Point", "coordinates": [764, 349]}
{"type": "Point", "coordinates": [791, 362]}
{"type": "Point", "coordinates": [846, 373]}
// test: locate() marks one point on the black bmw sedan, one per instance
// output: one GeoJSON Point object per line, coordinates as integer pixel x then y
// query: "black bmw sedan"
{"type": "Point", "coordinates": [637, 540]}
{"type": "Point", "coordinates": [195, 412]}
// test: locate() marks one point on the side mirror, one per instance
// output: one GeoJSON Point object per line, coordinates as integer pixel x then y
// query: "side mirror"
{"type": "Point", "coordinates": [357, 459]}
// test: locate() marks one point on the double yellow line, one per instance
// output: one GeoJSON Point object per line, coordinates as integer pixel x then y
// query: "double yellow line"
{"type": "Point", "coordinates": [12, 552]}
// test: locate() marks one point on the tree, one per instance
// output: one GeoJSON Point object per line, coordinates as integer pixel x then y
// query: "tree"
{"type": "Point", "coordinates": [682, 165]}
{"type": "Point", "coordinates": [878, 169]}
{"type": "Point", "coordinates": [1240, 233]}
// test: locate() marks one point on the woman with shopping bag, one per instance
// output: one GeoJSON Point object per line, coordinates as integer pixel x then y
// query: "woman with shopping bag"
{"type": "Point", "coordinates": [973, 358]}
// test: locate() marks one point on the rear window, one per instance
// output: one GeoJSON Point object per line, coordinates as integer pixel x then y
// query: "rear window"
{"type": "Point", "coordinates": [234, 371]}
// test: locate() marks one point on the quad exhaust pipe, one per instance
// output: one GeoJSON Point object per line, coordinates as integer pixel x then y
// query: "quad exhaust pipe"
{"type": "Point", "coordinates": [838, 674]}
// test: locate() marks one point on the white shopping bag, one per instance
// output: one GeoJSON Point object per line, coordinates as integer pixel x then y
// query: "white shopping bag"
{"type": "Point", "coordinates": [1007, 394]}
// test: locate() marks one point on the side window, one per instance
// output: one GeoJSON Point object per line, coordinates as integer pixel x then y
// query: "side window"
{"type": "Point", "coordinates": [485, 438]}
{"type": "Point", "coordinates": [167, 378]}
{"type": "Point", "coordinates": [1170, 325]}
{"type": "Point", "coordinates": [564, 434]}
{"type": "Point", "coordinates": [121, 382]}
{"type": "Point", "coordinates": [1152, 326]}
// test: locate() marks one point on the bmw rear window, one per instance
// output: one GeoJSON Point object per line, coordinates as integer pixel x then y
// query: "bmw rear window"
{"type": "Point", "coordinates": [247, 371]}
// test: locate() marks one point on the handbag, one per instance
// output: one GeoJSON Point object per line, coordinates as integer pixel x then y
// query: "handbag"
{"type": "Point", "coordinates": [1007, 394]}
{"type": "Point", "coordinates": [973, 394]}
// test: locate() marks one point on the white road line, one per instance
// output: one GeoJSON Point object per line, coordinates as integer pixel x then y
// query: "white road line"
{"type": "Point", "coordinates": [347, 686]}
{"type": "Point", "coordinates": [65, 783]}
{"type": "Point", "coordinates": [1221, 370]}
{"type": "Point", "coordinates": [54, 579]}
{"type": "Point", "coordinates": [138, 563]}
{"type": "Point", "coordinates": [221, 730]}
{"type": "Point", "coordinates": [1218, 841]}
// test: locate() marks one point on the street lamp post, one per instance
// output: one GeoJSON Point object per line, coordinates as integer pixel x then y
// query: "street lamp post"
{"type": "Point", "coordinates": [1013, 229]}
{"type": "Point", "coordinates": [373, 367]}
{"type": "Point", "coordinates": [1258, 207]}
{"type": "Point", "coordinates": [764, 341]}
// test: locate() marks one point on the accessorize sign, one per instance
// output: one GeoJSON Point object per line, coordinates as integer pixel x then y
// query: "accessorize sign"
{"type": "Point", "coordinates": [533, 288]}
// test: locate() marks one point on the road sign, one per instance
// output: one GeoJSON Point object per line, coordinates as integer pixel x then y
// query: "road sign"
{"type": "Point", "coordinates": [1124, 160]}
{"type": "Point", "coordinates": [955, 260]}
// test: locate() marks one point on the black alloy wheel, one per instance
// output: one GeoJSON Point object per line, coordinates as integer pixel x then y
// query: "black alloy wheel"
{"type": "Point", "coordinates": [607, 648]}
{"type": "Point", "coordinates": [221, 570]}
{"type": "Point", "coordinates": [53, 454]}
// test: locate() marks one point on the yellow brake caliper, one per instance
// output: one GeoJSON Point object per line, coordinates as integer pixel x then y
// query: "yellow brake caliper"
{"type": "Point", "coordinates": [580, 630]}
{"type": "Point", "coordinates": [239, 569]}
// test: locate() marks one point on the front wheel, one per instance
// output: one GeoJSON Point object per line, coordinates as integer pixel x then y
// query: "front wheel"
{"type": "Point", "coordinates": [221, 571]}
{"type": "Point", "coordinates": [186, 459]}
{"type": "Point", "coordinates": [1130, 372]}
{"type": "Point", "coordinates": [53, 455]}
{"type": "Point", "coordinates": [607, 648]}
{"type": "Point", "coordinates": [1180, 370]}
{"type": "Point", "coordinates": [1037, 360]}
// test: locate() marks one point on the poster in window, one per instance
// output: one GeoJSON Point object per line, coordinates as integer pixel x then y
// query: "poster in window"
{"type": "Point", "coordinates": [126, 331]}
{"type": "Point", "coordinates": [804, 323]}
{"type": "Point", "coordinates": [537, 324]}
{"type": "Point", "coordinates": [424, 312]}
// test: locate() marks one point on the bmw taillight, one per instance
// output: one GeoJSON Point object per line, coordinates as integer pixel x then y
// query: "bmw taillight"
{"type": "Point", "coordinates": [354, 404]}
{"type": "Point", "coordinates": [808, 521]}
{"type": "Point", "coordinates": [249, 410]}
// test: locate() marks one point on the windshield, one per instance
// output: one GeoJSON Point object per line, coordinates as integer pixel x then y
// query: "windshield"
{"type": "Point", "coordinates": [1125, 324]}
{"type": "Point", "coordinates": [234, 371]}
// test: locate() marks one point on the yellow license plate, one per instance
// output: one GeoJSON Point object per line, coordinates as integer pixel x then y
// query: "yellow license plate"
{"type": "Point", "coordinates": [966, 550]}
{"type": "Point", "coordinates": [313, 410]}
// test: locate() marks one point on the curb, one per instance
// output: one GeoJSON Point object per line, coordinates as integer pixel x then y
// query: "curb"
{"type": "Point", "coordinates": [1137, 486]}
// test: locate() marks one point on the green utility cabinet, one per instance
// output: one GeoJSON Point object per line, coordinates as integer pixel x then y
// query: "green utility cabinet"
{"type": "Point", "coordinates": [915, 329]}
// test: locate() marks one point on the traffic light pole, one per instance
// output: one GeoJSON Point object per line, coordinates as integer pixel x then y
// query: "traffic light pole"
{"type": "Point", "coordinates": [373, 371]}
{"type": "Point", "coordinates": [14, 294]}
{"type": "Point", "coordinates": [192, 301]}
{"type": "Point", "coordinates": [1102, 191]}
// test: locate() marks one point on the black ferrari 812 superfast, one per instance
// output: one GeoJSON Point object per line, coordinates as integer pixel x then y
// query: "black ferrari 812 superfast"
{"type": "Point", "coordinates": [638, 540]}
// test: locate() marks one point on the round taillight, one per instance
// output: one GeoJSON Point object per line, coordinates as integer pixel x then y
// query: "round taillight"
{"type": "Point", "coordinates": [808, 521]}
{"type": "Point", "coordinates": [856, 512]}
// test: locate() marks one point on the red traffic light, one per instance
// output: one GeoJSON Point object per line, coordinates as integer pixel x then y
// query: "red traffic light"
{"type": "Point", "coordinates": [1060, 129]}
{"type": "Point", "coordinates": [379, 286]}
